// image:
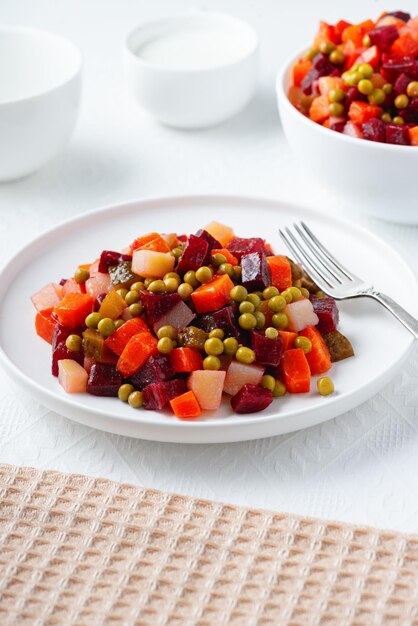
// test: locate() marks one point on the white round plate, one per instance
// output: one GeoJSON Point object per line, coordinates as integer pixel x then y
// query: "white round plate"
{"type": "Point", "coordinates": [380, 342]}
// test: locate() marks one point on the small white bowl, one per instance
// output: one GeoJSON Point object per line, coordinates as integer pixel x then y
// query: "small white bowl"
{"type": "Point", "coordinates": [194, 70]}
{"type": "Point", "coordinates": [40, 80]}
{"type": "Point", "coordinates": [378, 178]}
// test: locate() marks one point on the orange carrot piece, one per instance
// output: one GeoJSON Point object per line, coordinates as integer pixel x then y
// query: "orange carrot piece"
{"type": "Point", "coordinates": [186, 360]}
{"type": "Point", "coordinates": [295, 371]}
{"type": "Point", "coordinates": [281, 272]}
{"type": "Point", "coordinates": [141, 241]}
{"type": "Point", "coordinates": [118, 340]}
{"type": "Point", "coordinates": [45, 324]}
{"type": "Point", "coordinates": [157, 245]}
{"type": "Point", "coordinates": [413, 135]}
{"type": "Point", "coordinates": [186, 406]}
{"type": "Point", "coordinates": [360, 112]}
{"type": "Point", "coordinates": [138, 349]}
{"type": "Point", "coordinates": [73, 309]}
{"type": "Point", "coordinates": [319, 109]}
{"type": "Point", "coordinates": [406, 45]}
{"type": "Point", "coordinates": [213, 295]}
{"type": "Point", "coordinates": [299, 71]}
{"type": "Point", "coordinates": [230, 258]}
{"type": "Point", "coordinates": [318, 358]}
{"type": "Point", "coordinates": [288, 338]}
{"type": "Point", "coordinates": [356, 32]}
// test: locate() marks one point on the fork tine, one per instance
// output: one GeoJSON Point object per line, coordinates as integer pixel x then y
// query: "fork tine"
{"type": "Point", "coordinates": [318, 256]}
{"type": "Point", "coordinates": [300, 255]}
{"type": "Point", "coordinates": [328, 254]}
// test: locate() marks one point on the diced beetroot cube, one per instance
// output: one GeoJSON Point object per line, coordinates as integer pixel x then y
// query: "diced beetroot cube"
{"type": "Point", "coordinates": [327, 312]}
{"type": "Point", "coordinates": [60, 350]}
{"type": "Point", "coordinates": [104, 380]}
{"type": "Point", "coordinates": [256, 272]}
{"type": "Point", "coordinates": [108, 258]}
{"type": "Point", "coordinates": [157, 368]}
{"type": "Point", "coordinates": [157, 395]}
{"type": "Point", "coordinates": [321, 66]}
{"type": "Point", "coordinates": [160, 308]}
{"type": "Point", "coordinates": [194, 254]}
{"type": "Point", "coordinates": [383, 36]}
{"type": "Point", "coordinates": [394, 65]}
{"type": "Point", "coordinates": [223, 319]}
{"type": "Point", "coordinates": [210, 240]}
{"type": "Point", "coordinates": [401, 15]}
{"type": "Point", "coordinates": [267, 351]}
{"type": "Point", "coordinates": [337, 124]}
{"type": "Point", "coordinates": [374, 130]}
{"type": "Point", "coordinates": [410, 114]}
{"type": "Point", "coordinates": [353, 94]}
{"type": "Point", "coordinates": [251, 399]}
{"type": "Point", "coordinates": [244, 245]}
{"type": "Point", "coordinates": [401, 84]}
{"type": "Point", "coordinates": [397, 134]}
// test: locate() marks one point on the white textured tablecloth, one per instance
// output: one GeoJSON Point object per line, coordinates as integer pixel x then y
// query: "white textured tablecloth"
{"type": "Point", "coordinates": [361, 467]}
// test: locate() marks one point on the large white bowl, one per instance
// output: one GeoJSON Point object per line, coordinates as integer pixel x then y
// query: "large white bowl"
{"type": "Point", "coordinates": [197, 97]}
{"type": "Point", "coordinates": [380, 179]}
{"type": "Point", "coordinates": [40, 79]}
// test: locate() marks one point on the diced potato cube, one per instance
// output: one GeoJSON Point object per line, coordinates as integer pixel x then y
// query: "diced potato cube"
{"type": "Point", "coordinates": [72, 376]}
{"type": "Point", "coordinates": [222, 233]}
{"type": "Point", "coordinates": [149, 264]}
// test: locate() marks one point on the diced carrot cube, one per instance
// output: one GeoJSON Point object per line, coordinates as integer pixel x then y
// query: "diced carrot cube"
{"type": "Point", "coordinates": [73, 309]}
{"type": "Point", "coordinates": [281, 272]}
{"type": "Point", "coordinates": [72, 376]}
{"type": "Point", "coordinates": [112, 305]}
{"type": "Point", "coordinates": [158, 244]}
{"type": "Point", "coordinates": [295, 371]}
{"type": "Point", "coordinates": [360, 112]}
{"type": "Point", "coordinates": [143, 240]}
{"type": "Point", "coordinates": [288, 339]}
{"type": "Point", "coordinates": [138, 349]}
{"type": "Point", "coordinates": [185, 360]}
{"type": "Point", "coordinates": [213, 295]}
{"type": "Point", "coordinates": [186, 406]}
{"type": "Point", "coordinates": [406, 45]}
{"type": "Point", "coordinates": [326, 32]}
{"type": "Point", "coordinates": [319, 109]}
{"type": "Point", "coordinates": [118, 340]}
{"type": "Point", "coordinates": [45, 324]}
{"type": "Point", "coordinates": [319, 358]}
{"type": "Point", "coordinates": [299, 71]}
{"type": "Point", "coordinates": [413, 135]}
{"type": "Point", "coordinates": [356, 32]}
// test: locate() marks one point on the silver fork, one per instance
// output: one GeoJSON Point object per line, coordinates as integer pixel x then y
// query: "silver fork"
{"type": "Point", "coordinates": [332, 277]}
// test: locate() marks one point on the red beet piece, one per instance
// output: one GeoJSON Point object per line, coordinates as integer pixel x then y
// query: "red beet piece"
{"type": "Point", "coordinates": [223, 319]}
{"type": "Point", "coordinates": [267, 351]}
{"type": "Point", "coordinates": [104, 380]}
{"type": "Point", "coordinates": [155, 369]}
{"type": "Point", "coordinates": [337, 125]}
{"type": "Point", "coordinates": [210, 240]}
{"type": "Point", "coordinates": [108, 258]}
{"type": "Point", "coordinates": [251, 399]}
{"type": "Point", "coordinates": [374, 130]}
{"type": "Point", "coordinates": [327, 311]}
{"type": "Point", "coordinates": [383, 37]}
{"type": "Point", "coordinates": [255, 271]}
{"type": "Point", "coordinates": [320, 67]}
{"type": "Point", "coordinates": [401, 15]}
{"type": "Point", "coordinates": [194, 254]}
{"type": "Point", "coordinates": [156, 305]}
{"type": "Point", "coordinates": [242, 245]}
{"type": "Point", "coordinates": [394, 65]}
{"type": "Point", "coordinates": [401, 84]}
{"type": "Point", "coordinates": [353, 94]}
{"type": "Point", "coordinates": [60, 350]}
{"type": "Point", "coordinates": [397, 134]}
{"type": "Point", "coordinates": [410, 114]}
{"type": "Point", "coordinates": [157, 395]}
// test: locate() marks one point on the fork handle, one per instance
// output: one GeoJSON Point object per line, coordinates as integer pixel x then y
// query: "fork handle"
{"type": "Point", "coordinates": [410, 322]}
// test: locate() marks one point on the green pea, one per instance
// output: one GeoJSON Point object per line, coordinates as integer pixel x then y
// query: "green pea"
{"type": "Point", "coordinates": [260, 319]}
{"type": "Point", "coordinates": [167, 331]}
{"type": "Point", "coordinates": [336, 95]}
{"type": "Point", "coordinates": [73, 343]}
{"type": "Point", "coordinates": [125, 391]}
{"type": "Point", "coordinates": [279, 389]}
{"type": "Point", "coordinates": [165, 345]}
{"type": "Point", "coordinates": [171, 284]}
{"type": "Point", "coordinates": [305, 292]}
{"type": "Point", "coordinates": [401, 101]}
{"type": "Point", "coordinates": [136, 399]}
{"type": "Point", "coordinates": [247, 321]}
{"type": "Point", "coordinates": [81, 275]}
{"type": "Point", "coordinates": [214, 346]}
{"type": "Point", "coordinates": [270, 292]}
{"type": "Point", "coordinates": [412, 89]}
{"type": "Point", "coordinates": [398, 120]}
{"type": "Point", "coordinates": [185, 291]}
{"type": "Point", "coordinates": [377, 97]}
{"type": "Point", "coordinates": [230, 346]}
{"type": "Point", "coordinates": [176, 252]}
{"type": "Point", "coordinates": [226, 268]}
{"type": "Point", "coordinates": [131, 297]}
{"type": "Point", "coordinates": [136, 309]}
{"type": "Point", "coordinates": [365, 86]}
{"type": "Point", "coordinates": [365, 70]}
{"type": "Point", "coordinates": [326, 47]}
{"type": "Point", "coordinates": [237, 273]}
{"type": "Point", "coordinates": [311, 53]}
{"type": "Point", "coordinates": [106, 327]}
{"type": "Point", "coordinates": [92, 320]}
{"type": "Point", "coordinates": [245, 355]}
{"type": "Point", "coordinates": [204, 274]}
{"type": "Point", "coordinates": [119, 323]}
{"type": "Point", "coordinates": [268, 382]}
{"type": "Point", "coordinates": [238, 293]}
{"type": "Point", "coordinates": [271, 333]}
{"type": "Point", "coordinates": [367, 42]}
{"type": "Point", "coordinates": [386, 117]}
{"type": "Point", "coordinates": [320, 294]}
{"type": "Point", "coordinates": [337, 57]}
{"type": "Point", "coordinates": [246, 307]}
{"type": "Point", "coordinates": [218, 259]}
{"type": "Point", "coordinates": [171, 275]}
{"type": "Point", "coordinates": [122, 293]}
{"type": "Point", "coordinates": [304, 343]}
{"type": "Point", "coordinates": [387, 89]}
{"type": "Point", "coordinates": [287, 295]}
{"type": "Point", "coordinates": [277, 304]}
{"type": "Point", "coordinates": [148, 281]}
{"type": "Point", "coordinates": [138, 286]}
{"type": "Point", "coordinates": [325, 386]}
{"type": "Point", "coordinates": [157, 286]}
{"type": "Point", "coordinates": [218, 333]}
{"type": "Point", "coordinates": [296, 293]}
{"type": "Point", "coordinates": [211, 363]}
{"type": "Point", "coordinates": [280, 321]}
{"type": "Point", "coordinates": [254, 299]}
{"type": "Point", "coordinates": [336, 109]}
{"type": "Point", "coordinates": [190, 278]}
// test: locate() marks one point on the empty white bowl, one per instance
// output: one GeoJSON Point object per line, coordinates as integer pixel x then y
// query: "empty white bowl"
{"type": "Point", "coordinates": [40, 80]}
{"type": "Point", "coordinates": [378, 178]}
{"type": "Point", "coordinates": [193, 70]}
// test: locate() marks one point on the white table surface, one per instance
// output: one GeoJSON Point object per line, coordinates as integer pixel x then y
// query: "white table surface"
{"type": "Point", "coordinates": [360, 467]}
